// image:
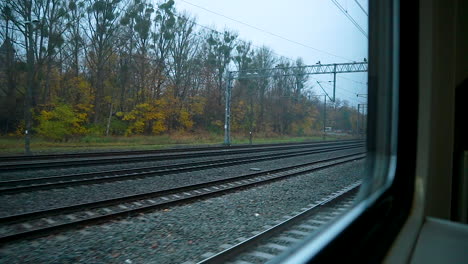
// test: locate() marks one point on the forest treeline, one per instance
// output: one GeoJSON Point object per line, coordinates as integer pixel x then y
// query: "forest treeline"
{"type": "Point", "coordinates": [128, 67]}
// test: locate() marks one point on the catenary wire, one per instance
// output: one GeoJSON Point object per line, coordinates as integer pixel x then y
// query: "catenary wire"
{"type": "Point", "coordinates": [349, 17]}
{"type": "Point", "coordinates": [360, 6]}
{"type": "Point", "coordinates": [267, 32]}
{"type": "Point", "coordinates": [242, 41]}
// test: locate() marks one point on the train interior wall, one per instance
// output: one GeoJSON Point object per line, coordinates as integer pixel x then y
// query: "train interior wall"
{"type": "Point", "coordinates": [437, 230]}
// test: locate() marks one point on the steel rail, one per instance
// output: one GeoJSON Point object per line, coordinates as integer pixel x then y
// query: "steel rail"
{"type": "Point", "coordinates": [230, 253]}
{"type": "Point", "coordinates": [42, 222]}
{"type": "Point", "coordinates": [16, 158]}
{"type": "Point", "coordinates": [112, 160]}
{"type": "Point", "coordinates": [62, 181]}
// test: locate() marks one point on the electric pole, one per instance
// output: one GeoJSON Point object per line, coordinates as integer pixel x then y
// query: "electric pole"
{"type": "Point", "coordinates": [227, 118]}
{"type": "Point", "coordinates": [360, 119]}
{"type": "Point", "coordinates": [357, 119]}
{"type": "Point", "coordinates": [325, 107]}
{"type": "Point", "coordinates": [324, 116]}
{"type": "Point", "coordinates": [269, 72]}
{"type": "Point", "coordinates": [334, 82]}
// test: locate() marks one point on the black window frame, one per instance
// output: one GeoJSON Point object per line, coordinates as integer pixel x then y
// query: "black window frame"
{"type": "Point", "coordinates": [367, 232]}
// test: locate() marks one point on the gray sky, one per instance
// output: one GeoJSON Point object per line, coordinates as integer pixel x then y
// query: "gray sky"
{"type": "Point", "coordinates": [324, 31]}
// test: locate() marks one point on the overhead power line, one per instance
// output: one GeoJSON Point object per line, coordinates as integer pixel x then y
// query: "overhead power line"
{"type": "Point", "coordinates": [238, 41]}
{"type": "Point", "coordinates": [338, 88]}
{"type": "Point", "coordinates": [350, 18]}
{"type": "Point", "coordinates": [350, 95]}
{"type": "Point", "coordinates": [358, 82]}
{"type": "Point", "coordinates": [360, 6]}
{"type": "Point", "coordinates": [267, 32]}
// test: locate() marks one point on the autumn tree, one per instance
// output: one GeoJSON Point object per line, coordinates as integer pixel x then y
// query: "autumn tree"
{"type": "Point", "coordinates": [140, 67]}
{"type": "Point", "coordinates": [184, 48]}
{"type": "Point", "coordinates": [263, 59]}
{"type": "Point", "coordinates": [61, 123]}
{"type": "Point", "coordinates": [138, 19]}
{"type": "Point", "coordinates": [220, 47]}
{"type": "Point", "coordinates": [162, 36]}
{"type": "Point", "coordinates": [102, 27]}
{"type": "Point", "coordinates": [74, 35]}
{"type": "Point", "coordinates": [51, 15]}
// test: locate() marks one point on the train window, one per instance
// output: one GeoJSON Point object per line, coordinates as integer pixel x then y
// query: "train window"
{"type": "Point", "coordinates": [141, 131]}
{"type": "Point", "coordinates": [387, 192]}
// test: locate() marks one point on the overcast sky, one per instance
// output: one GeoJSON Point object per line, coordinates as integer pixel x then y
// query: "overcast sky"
{"type": "Point", "coordinates": [325, 34]}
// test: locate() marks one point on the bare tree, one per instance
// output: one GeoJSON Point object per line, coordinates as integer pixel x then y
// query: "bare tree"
{"type": "Point", "coordinates": [182, 52]}
{"type": "Point", "coordinates": [74, 36]}
{"type": "Point", "coordinates": [162, 36]}
{"type": "Point", "coordinates": [220, 47]}
{"type": "Point", "coordinates": [263, 59]}
{"type": "Point", "coordinates": [51, 15]}
{"type": "Point", "coordinates": [102, 16]}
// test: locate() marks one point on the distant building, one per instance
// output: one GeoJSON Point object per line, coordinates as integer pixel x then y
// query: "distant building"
{"type": "Point", "coordinates": [9, 99]}
{"type": "Point", "coordinates": [7, 54]}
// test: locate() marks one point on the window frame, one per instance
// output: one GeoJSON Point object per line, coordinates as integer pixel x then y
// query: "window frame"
{"type": "Point", "coordinates": [368, 230]}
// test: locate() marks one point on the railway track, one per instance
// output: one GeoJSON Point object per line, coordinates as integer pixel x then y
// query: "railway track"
{"type": "Point", "coordinates": [123, 157]}
{"type": "Point", "coordinates": [64, 181]}
{"type": "Point", "coordinates": [43, 222]}
{"type": "Point", "coordinates": [20, 158]}
{"type": "Point", "coordinates": [275, 241]}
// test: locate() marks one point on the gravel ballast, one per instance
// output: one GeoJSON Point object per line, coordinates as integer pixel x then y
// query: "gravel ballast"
{"type": "Point", "coordinates": [35, 173]}
{"type": "Point", "coordinates": [185, 233]}
{"type": "Point", "coordinates": [39, 200]}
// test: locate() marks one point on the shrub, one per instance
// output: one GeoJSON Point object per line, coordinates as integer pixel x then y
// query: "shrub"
{"type": "Point", "coordinates": [96, 130]}
{"type": "Point", "coordinates": [61, 123]}
{"type": "Point", "coordinates": [117, 127]}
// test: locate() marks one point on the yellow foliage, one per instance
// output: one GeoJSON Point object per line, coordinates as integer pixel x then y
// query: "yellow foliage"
{"type": "Point", "coordinates": [62, 122]}
{"type": "Point", "coordinates": [158, 127]}
{"type": "Point", "coordinates": [138, 127]}
{"type": "Point", "coordinates": [145, 116]}
{"type": "Point", "coordinates": [78, 92]}
{"type": "Point", "coordinates": [19, 129]}
{"type": "Point", "coordinates": [197, 105]}
{"type": "Point", "coordinates": [185, 119]}
{"type": "Point", "coordinates": [304, 119]}
{"type": "Point", "coordinates": [158, 116]}
{"type": "Point", "coordinates": [46, 115]}
{"type": "Point", "coordinates": [218, 123]}
{"type": "Point", "coordinates": [239, 115]}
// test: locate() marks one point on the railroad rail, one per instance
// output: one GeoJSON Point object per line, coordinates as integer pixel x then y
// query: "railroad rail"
{"type": "Point", "coordinates": [277, 240]}
{"type": "Point", "coordinates": [16, 158]}
{"type": "Point", "coordinates": [156, 156]}
{"type": "Point", "coordinates": [64, 181]}
{"type": "Point", "coordinates": [38, 223]}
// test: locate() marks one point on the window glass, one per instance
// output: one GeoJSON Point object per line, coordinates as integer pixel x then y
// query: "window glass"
{"type": "Point", "coordinates": [142, 131]}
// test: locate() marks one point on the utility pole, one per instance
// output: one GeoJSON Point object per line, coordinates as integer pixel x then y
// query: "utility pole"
{"type": "Point", "coordinates": [357, 119]}
{"type": "Point", "coordinates": [325, 107]}
{"type": "Point", "coordinates": [363, 120]}
{"type": "Point", "coordinates": [360, 119]}
{"type": "Point", "coordinates": [324, 116]}
{"type": "Point", "coordinates": [359, 114]}
{"type": "Point", "coordinates": [334, 82]}
{"type": "Point", "coordinates": [269, 72]}
{"type": "Point", "coordinates": [227, 117]}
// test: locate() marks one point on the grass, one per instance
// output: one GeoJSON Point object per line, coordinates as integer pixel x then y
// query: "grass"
{"type": "Point", "coordinates": [15, 145]}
